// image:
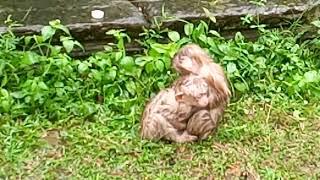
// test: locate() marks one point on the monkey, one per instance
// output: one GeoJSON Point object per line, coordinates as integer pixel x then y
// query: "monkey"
{"type": "Point", "coordinates": [193, 91]}
{"type": "Point", "coordinates": [191, 59]}
{"type": "Point", "coordinates": [166, 115]}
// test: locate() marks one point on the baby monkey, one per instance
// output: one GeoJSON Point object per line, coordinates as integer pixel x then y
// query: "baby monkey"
{"type": "Point", "coordinates": [191, 59]}
{"type": "Point", "coordinates": [167, 114]}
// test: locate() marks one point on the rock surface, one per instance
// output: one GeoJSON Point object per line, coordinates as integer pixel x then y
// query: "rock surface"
{"type": "Point", "coordinates": [76, 14]}
{"type": "Point", "coordinates": [134, 14]}
{"type": "Point", "coordinates": [227, 12]}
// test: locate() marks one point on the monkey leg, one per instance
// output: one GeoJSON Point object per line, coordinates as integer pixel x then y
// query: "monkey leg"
{"type": "Point", "coordinates": [173, 134]}
{"type": "Point", "coordinates": [159, 128]}
{"type": "Point", "coordinates": [201, 124]}
{"type": "Point", "coordinates": [216, 114]}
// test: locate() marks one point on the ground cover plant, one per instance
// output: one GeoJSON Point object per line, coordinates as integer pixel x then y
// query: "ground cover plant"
{"type": "Point", "coordinates": [72, 118]}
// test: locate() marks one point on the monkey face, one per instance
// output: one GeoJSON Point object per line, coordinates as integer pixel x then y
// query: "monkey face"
{"type": "Point", "coordinates": [190, 59]}
{"type": "Point", "coordinates": [194, 91]}
{"type": "Point", "coordinates": [184, 65]}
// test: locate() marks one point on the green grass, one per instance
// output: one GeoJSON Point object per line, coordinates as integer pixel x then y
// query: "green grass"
{"type": "Point", "coordinates": [65, 118]}
{"type": "Point", "coordinates": [255, 139]}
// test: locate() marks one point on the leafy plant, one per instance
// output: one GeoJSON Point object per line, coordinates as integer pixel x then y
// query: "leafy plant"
{"type": "Point", "coordinates": [275, 83]}
{"type": "Point", "coordinates": [43, 81]}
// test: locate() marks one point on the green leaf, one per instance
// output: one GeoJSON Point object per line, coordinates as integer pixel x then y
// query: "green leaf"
{"type": "Point", "coordinates": [161, 85]}
{"type": "Point", "coordinates": [225, 49]}
{"type": "Point", "coordinates": [97, 75]}
{"type": "Point", "coordinates": [188, 29]}
{"type": "Point", "coordinates": [5, 104]}
{"type": "Point", "coordinates": [257, 47]}
{"type": "Point", "coordinates": [112, 32]}
{"type": "Point", "coordinates": [240, 87]}
{"type": "Point", "coordinates": [149, 67]}
{"type": "Point", "coordinates": [78, 44]}
{"type": "Point", "coordinates": [174, 36]}
{"type": "Point", "coordinates": [239, 37]}
{"type": "Point", "coordinates": [17, 94]}
{"type": "Point", "coordinates": [231, 67]}
{"type": "Point", "coordinates": [261, 61]}
{"type": "Point", "coordinates": [118, 56]}
{"type": "Point", "coordinates": [311, 76]}
{"type": "Point", "coordinates": [141, 61]}
{"type": "Point", "coordinates": [167, 62]}
{"type": "Point", "coordinates": [55, 50]}
{"type": "Point", "coordinates": [42, 86]}
{"type": "Point", "coordinates": [127, 63]}
{"type": "Point", "coordinates": [57, 25]}
{"type": "Point", "coordinates": [112, 73]}
{"type": "Point", "coordinates": [4, 93]}
{"type": "Point", "coordinates": [137, 72]}
{"type": "Point", "coordinates": [209, 15]}
{"type": "Point", "coordinates": [159, 65]}
{"type": "Point", "coordinates": [183, 41]}
{"type": "Point", "coordinates": [58, 84]}
{"type": "Point", "coordinates": [82, 67]}
{"type": "Point", "coordinates": [34, 84]}
{"type": "Point", "coordinates": [203, 38]}
{"type": "Point", "coordinates": [27, 40]}
{"type": "Point", "coordinates": [68, 45]}
{"type": "Point", "coordinates": [131, 87]}
{"type": "Point", "coordinates": [107, 48]}
{"type": "Point", "coordinates": [29, 58]}
{"type": "Point", "coordinates": [160, 48]}
{"type": "Point", "coordinates": [47, 32]}
{"type": "Point", "coordinates": [4, 81]}
{"type": "Point", "coordinates": [65, 38]}
{"type": "Point", "coordinates": [215, 33]}
{"type": "Point", "coordinates": [125, 35]}
{"type": "Point", "coordinates": [38, 39]}
{"type": "Point", "coordinates": [247, 19]}
{"type": "Point", "coordinates": [60, 92]}
{"type": "Point", "coordinates": [316, 23]}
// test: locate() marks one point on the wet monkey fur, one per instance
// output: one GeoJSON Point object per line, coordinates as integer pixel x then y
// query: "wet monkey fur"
{"type": "Point", "coordinates": [192, 59]}
{"type": "Point", "coordinates": [166, 115]}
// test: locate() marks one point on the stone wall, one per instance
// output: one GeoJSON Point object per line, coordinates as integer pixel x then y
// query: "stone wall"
{"type": "Point", "coordinates": [134, 14]}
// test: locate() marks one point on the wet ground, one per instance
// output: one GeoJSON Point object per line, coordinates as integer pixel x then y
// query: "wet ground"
{"type": "Point", "coordinates": [134, 14]}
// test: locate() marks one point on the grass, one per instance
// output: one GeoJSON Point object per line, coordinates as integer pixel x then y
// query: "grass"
{"type": "Point", "coordinates": [66, 118]}
{"type": "Point", "coordinates": [257, 139]}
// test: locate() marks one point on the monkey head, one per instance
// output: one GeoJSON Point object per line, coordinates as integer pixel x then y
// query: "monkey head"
{"type": "Point", "coordinates": [190, 59]}
{"type": "Point", "coordinates": [192, 90]}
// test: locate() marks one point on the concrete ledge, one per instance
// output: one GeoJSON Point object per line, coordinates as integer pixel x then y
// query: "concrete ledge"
{"type": "Point", "coordinates": [134, 14]}
{"type": "Point", "coordinates": [76, 15]}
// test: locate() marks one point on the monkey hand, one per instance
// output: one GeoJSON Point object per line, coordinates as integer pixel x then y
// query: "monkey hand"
{"type": "Point", "coordinates": [186, 137]}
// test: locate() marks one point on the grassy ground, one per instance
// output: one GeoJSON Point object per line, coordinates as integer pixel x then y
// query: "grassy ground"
{"type": "Point", "coordinates": [256, 140]}
{"type": "Point", "coordinates": [63, 118]}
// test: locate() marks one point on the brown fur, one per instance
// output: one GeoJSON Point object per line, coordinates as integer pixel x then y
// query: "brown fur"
{"type": "Point", "coordinates": [166, 115]}
{"type": "Point", "coordinates": [191, 59]}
